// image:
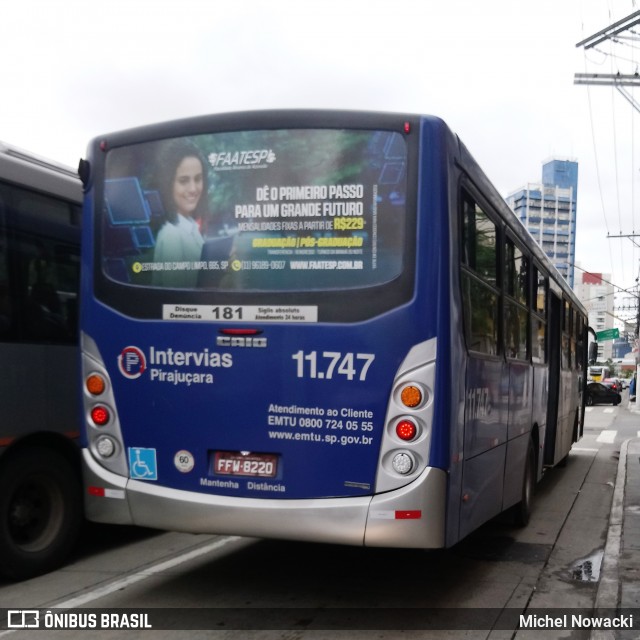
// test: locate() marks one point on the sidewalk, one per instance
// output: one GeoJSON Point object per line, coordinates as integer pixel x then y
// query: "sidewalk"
{"type": "Point", "coordinates": [619, 586]}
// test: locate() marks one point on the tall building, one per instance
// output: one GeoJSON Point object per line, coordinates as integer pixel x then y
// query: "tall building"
{"type": "Point", "coordinates": [548, 210]}
{"type": "Point", "coordinates": [595, 291]}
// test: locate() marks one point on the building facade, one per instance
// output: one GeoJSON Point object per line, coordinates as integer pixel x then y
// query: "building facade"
{"type": "Point", "coordinates": [548, 209]}
{"type": "Point", "coordinates": [595, 291]}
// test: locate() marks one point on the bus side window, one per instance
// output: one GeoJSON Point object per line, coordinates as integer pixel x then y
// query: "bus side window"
{"type": "Point", "coordinates": [538, 317]}
{"type": "Point", "coordinates": [566, 335]}
{"type": "Point", "coordinates": [48, 269]}
{"type": "Point", "coordinates": [580, 343]}
{"type": "Point", "coordinates": [6, 309]}
{"type": "Point", "coordinates": [52, 273]}
{"type": "Point", "coordinates": [573, 355]}
{"type": "Point", "coordinates": [516, 300]}
{"type": "Point", "coordinates": [480, 295]}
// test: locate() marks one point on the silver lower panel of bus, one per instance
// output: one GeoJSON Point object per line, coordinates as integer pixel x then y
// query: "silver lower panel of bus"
{"type": "Point", "coordinates": [413, 516]}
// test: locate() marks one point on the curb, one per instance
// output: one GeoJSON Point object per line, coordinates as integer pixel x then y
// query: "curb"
{"type": "Point", "coordinates": [608, 593]}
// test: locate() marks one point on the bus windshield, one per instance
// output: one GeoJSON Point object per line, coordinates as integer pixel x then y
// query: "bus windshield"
{"type": "Point", "coordinates": [258, 210]}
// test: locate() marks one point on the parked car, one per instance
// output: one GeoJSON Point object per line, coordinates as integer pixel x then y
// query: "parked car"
{"type": "Point", "coordinates": [598, 393]}
{"type": "Point", "coordinates": [613, 383]}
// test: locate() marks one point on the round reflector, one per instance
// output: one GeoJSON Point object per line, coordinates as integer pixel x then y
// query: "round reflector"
{"type": "Point", "coordinates": [411, 396]}
{"type": "Point", "coordinates": [105, 447]}
{"type": "Point", "coordinates": [402, 463]}
{"type": "Point", "coordinates": [406, 430]}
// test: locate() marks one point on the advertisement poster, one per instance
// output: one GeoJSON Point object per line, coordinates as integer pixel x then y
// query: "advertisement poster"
{"type": "Point", "coordinates": [298, 209]}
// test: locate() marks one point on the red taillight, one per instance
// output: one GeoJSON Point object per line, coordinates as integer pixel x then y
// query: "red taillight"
{"type": "Point", "coordinates": [100, 415]}
{"type": "Point", "coordinates": [241, 332]}
{"type": "Point", "coordinates": [98, 492]}
{"type": "Point", "coordinates": [406, 430]}
{"type": "Point", "coordinates": [413, 514]}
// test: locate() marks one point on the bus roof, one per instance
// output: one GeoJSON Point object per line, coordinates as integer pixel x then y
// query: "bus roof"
{"type": "Point", "coordinates": [28, 169]}
{"type": "Point", "coordinates": [516, 225]}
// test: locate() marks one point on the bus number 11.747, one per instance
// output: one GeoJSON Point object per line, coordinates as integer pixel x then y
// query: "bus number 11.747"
{"type": "Point", "coordinates": [333, 363]}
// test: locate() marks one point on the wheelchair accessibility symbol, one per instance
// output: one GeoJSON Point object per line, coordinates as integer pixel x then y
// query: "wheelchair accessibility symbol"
{"type": "Point", "coordinates": [142, 464]}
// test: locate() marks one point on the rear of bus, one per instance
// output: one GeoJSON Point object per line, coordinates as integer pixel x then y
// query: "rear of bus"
{"type": "Point", "coordinates": [281, 382]}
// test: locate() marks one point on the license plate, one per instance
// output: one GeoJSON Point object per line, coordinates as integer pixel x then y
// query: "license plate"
{"type": "Point", "coordinates": [237, 463]}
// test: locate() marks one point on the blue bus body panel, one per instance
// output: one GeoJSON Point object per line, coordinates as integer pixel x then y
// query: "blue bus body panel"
{"type": "Point", "coordinates": [438, 186]}
{"type": "Point", "coordinates": [316, 397]}
{"type": "Point", "coordinates": [190, 395]}
{"type": "Point", "coordinates": [326, 432]}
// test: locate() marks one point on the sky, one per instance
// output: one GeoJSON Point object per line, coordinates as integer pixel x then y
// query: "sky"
{"type": "Point", "coordinates": [500, 72]}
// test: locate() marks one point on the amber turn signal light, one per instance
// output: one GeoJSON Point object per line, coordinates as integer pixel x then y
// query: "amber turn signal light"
{"type": "Point", "coordinates": [411, 396]}
{"type": "Point", "coordinates": [95, 384]}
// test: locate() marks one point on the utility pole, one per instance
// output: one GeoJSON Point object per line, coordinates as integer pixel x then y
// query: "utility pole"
{"type": "Point", "coordinates": [612, 31]}
{"type": "Point", "coordinates": [617, 32]}
{"type": "Point", "coordinates": [617, 80]}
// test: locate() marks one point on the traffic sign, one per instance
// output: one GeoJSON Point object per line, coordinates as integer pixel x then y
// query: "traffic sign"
{"type": "Point", "coordinates": [608, 334]}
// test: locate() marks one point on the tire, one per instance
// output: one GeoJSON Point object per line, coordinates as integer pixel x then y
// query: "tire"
{"type": "Point", "coordinates": [40, 511]}
{"type": "Point", "coordinates": [522, 510]}
{"type": "Point", "coordinates": [589, 401]}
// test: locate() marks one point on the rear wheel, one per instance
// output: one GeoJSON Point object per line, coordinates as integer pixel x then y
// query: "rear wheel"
{"type": "Point", "coordinates": [40, 512]}
{"type": "Point", "coordinates": [522, 510]}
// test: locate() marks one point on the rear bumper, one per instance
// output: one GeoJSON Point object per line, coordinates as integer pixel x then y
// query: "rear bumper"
{"type": "Point", "coordinates": [412, 516]}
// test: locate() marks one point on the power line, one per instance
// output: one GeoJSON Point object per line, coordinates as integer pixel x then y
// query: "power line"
{"type": "Point", "coordinates": [599, 275]}
{"type": "Point", "coordinates": [607, 33]}
{"type": "Point", "coordinates": [621, 33]}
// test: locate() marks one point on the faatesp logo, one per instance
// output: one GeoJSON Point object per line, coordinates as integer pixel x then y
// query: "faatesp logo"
{"type": "Point", "coordinates": [132, 362]}
{"type": "Point", "coordinates": [253, 158]}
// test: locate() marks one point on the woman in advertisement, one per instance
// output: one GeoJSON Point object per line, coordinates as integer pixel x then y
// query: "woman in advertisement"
{"type": "Point", "coordinates": [184, 188]}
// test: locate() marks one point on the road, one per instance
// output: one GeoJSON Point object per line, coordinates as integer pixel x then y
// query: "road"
{"type": "Point", "coordinates": [248, 588]}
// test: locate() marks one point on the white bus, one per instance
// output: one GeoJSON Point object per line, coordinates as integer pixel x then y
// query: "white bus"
{"type": "Point", "coordinates": [598, 373]}
{"type": "Point", "coordinates": [40, 500]}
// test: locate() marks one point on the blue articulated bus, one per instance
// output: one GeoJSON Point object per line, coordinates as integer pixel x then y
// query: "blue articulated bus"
{"type": "Point", "coordinates": [316, 325]}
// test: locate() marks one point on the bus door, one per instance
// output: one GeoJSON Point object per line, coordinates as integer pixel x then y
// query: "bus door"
{"type": "Point", "coordinates": [554, 332]}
